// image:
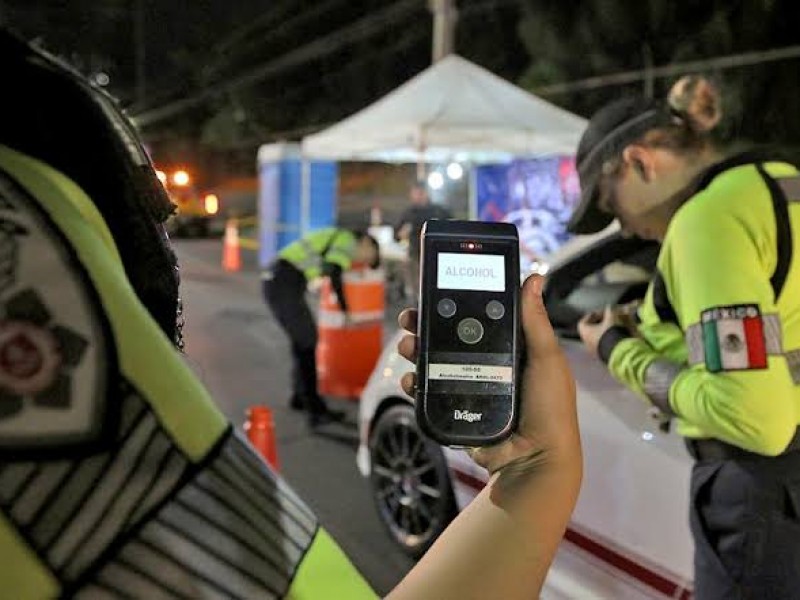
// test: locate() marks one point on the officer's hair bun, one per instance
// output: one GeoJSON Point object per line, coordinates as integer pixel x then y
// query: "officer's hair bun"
{"type": "Point", "coordinates": [697, 101]}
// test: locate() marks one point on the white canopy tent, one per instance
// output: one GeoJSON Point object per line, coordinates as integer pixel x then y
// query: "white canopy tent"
{"type": "Point", "coordinates": [454, 110]}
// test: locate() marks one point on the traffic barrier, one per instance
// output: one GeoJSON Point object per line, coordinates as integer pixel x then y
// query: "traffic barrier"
{"type": "Point", "coordinates": [231, 252]}
{"type": "Point", "coordinates": [260, 430]}
{"type": "Point", "coordinates": [346, 355]}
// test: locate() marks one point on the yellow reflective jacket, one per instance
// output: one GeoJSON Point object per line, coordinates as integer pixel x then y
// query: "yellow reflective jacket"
{"type": "Point", "coordinates": [719, 339]}
{"type": "Point", "coordinates": [329, 245]}
{"type": "Point", "coordinates": [118, 475]}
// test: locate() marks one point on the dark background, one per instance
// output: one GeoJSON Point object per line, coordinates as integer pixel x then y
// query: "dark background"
{"type": "Point", "coordinates": [233, 74]}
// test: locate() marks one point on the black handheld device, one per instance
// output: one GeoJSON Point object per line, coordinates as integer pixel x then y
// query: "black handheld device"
{"type": "Point", "coordinates": [469, 331]}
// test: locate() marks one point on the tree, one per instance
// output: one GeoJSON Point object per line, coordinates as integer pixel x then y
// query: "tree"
{"type": "Point", "coordinates": [607, 36]}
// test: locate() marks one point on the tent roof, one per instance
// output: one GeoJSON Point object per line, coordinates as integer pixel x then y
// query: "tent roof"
{"type": "Point", "coordinates": [454, 110]}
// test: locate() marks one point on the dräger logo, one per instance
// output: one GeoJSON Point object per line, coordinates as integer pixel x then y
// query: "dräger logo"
{"type": "Point", "coordinates": [465, 415]}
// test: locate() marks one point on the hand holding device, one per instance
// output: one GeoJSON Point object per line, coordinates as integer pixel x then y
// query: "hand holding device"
{"type": "Point", "coordinates": [548, 425]}
{"type": "Point", "coordinates": [521, 514]}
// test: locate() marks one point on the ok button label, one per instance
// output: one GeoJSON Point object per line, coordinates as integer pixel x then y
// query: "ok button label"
{"type": "Point", "coordinates": [470, 331]}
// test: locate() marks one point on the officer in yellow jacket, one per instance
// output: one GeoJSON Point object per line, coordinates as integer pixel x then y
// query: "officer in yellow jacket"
{"type": "Point", "coordinates": [118, 475]}
{"type": "Point", "coordinates": [718, 343]}
{"type": "Point", "coordinates": [329, 252]}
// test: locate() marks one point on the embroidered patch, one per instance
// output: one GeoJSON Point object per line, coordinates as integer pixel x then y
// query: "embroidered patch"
{"type": "Point", "coordinates": [56, 362]}
{"type": "Point", "coordinates": [733, 338]}
{"type": "Point", "coordinates": [29, 358]}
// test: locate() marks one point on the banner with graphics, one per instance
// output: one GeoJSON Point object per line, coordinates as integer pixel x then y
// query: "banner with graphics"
{"type": "Point", "coordinates": [537, 195]}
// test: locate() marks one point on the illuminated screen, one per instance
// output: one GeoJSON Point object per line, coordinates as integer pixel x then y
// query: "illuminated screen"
{"type": "Point", "coordinates": [478, 272]}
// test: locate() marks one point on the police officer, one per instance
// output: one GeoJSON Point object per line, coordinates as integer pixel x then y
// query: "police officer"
{"type": "Point", "coordinates": [717, 348]}
{"type": "Point", "coordinates": [409, 228]}
{"type": "Point", "coordinates": [327, 252]}
{"type": "Point", "coordinates": [119, 477]}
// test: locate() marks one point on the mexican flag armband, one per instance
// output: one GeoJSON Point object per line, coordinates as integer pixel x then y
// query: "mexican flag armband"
{"type": "Point", "coordinates": [733, 338]}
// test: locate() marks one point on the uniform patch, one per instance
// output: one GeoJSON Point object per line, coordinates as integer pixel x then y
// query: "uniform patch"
{"type": "Point", "coordinates": [733, 338]}
{"type": "Point", "coordinates": [29, 358]}
{"type": "Point", "coordinates": [56, 355]}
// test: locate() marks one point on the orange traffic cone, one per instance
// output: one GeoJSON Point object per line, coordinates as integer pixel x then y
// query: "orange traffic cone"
{"type": "Point", "coordinates": [231, 258]}
{"type": "Point", "coordinates": [260, 430]}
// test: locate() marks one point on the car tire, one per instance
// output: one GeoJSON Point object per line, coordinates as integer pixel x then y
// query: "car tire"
{"type": "Point", "coordinates": [410, 481]}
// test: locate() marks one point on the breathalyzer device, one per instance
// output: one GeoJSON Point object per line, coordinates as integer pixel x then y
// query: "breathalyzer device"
{"type": "Point", "coordinates": [469, 332]}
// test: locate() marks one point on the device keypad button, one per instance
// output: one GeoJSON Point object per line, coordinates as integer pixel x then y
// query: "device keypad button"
{"type": "Point", "coordinates": [495, 310]}
{"type": "Point", "coordinates": [446, 308]}
{"type": "Point", "coordinates": [470, 331]}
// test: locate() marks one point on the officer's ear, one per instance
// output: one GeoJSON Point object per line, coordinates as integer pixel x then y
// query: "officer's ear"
{"type": "Point", "coordinates": [642, 160]}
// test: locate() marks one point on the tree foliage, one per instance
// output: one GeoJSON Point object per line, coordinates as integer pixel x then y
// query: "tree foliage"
{"type": "Point", "coordinates": [571, 41]}
{"type": "Point", "coordinates": [196, 46]}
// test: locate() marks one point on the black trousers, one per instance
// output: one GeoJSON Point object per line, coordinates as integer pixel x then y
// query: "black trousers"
{"type": "Point", "coordinates": [284, 292]}
{"type": "Point", "coordinates": [745, 520]}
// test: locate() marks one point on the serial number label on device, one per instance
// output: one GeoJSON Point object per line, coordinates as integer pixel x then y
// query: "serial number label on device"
{"type": "Point", "coordinates": [470, 372]}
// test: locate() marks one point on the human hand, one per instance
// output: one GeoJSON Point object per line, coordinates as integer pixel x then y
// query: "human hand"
{"type": "Point", "coordinates": [548, 426]}
{"type": "Point", "coordinates": [627, 314]}
{"type": "Point", "coordinates": [594, 324]}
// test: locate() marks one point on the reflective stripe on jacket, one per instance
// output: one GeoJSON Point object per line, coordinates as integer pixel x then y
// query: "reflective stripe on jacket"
{"type": "Point", "coordinates": [118, 475]}
{"type": "Point", "coordinates": [332, 245]}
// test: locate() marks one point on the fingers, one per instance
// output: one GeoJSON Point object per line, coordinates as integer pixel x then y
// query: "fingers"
{"type": "Point", "coordinates": [409, 384]}
{"type": "Point", "coordinates": [408, 320]}
{"type": "Point", "coordinates": [539, 334]}
{"type": "Point", "coordinates": [407, 347]}
{"type": "Point", "coordinates": [592, 318]}
{"type": "Point", "coordinates": [584, 325]}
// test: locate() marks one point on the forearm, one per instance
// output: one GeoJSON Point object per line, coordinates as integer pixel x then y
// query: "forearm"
{"type": "Point", "coordinates": [750, 409]}
{"type": "Point", "coordinates": [502, 545]}
{"type": "Point", "coordinates": [628, 360]}
{"type": "Point", "coordinates": [334, 272]}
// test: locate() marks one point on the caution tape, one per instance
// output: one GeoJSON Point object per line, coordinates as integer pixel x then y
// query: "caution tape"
{"type": "Point", "coordinates": [364, 276]}
{"type": "Point", "coordinates": [335, 319]}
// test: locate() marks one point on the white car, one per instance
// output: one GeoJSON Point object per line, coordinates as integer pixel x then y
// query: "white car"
{"type": "Point", "coordinates": [629, 534]}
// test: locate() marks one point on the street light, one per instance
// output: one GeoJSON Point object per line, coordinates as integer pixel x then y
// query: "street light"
{"type": "Point", "coordinates": [455, 171]}
{"type": "Point", "coordinates": [436, 180]}
{"type": "Point", "coordinates": [180, 178]}
{"type": "Point", "coordinates": [211, 202]}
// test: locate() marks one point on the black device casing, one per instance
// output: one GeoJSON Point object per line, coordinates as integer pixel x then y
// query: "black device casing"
{"type": "Point", "coordinates": [501, 344]}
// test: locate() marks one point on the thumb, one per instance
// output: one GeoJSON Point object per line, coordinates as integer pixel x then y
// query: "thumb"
{"type": "Point", "coordinates": [539, 335]}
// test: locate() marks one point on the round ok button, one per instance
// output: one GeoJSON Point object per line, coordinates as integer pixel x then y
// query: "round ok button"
{"type": "Point", "coordinates": [470, 331]}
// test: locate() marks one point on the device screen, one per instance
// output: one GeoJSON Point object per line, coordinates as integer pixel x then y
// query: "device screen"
{"type": "Point", "coordinates": [476, 272]}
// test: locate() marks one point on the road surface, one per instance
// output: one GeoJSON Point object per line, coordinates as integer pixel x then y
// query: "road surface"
{"type": "Point", "coordinates": [241, 355]}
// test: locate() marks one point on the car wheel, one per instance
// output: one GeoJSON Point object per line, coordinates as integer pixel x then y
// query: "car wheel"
{"type": "Point", "coordinates": [410, 481]}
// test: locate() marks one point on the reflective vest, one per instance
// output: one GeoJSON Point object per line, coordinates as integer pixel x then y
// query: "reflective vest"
{"type": "Point", "coordinates": [330, 245]}
{"type": "Point", "coordinates": [118, 475]}
{"type": "Point", "coordinates": [719, 339]}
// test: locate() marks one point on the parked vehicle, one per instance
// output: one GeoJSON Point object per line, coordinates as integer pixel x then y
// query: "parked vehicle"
{"type": "Point", "coordinates": [195, 210]}
{"type": "Point", "coordinates": [629, 535]}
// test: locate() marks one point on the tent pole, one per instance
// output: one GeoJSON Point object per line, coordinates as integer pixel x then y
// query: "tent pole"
{"type": "Point", "coordinates": [305, 195]}
{"type": "Point", "coordinates": [472, 190]}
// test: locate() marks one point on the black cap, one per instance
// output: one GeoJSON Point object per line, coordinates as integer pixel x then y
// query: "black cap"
{"type": "Point", "coordinates": [610, 130]}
